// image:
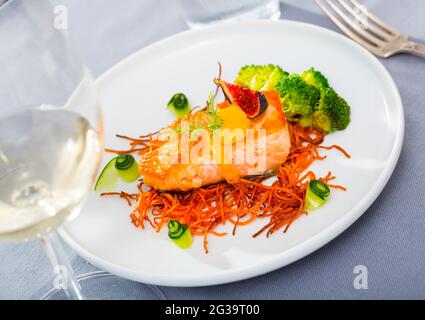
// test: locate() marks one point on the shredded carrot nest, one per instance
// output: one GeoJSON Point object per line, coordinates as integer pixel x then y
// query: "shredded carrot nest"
{"type": "Point", "coordinates": [240, 203]}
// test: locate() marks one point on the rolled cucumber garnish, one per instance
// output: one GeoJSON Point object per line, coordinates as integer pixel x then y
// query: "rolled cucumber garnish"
{"type": "Point", "coordinates": [317, 195]}
{"type": "Point", "coordinates": [123, 166]}
{"type": "Point", "coordinates": [179, 234]}
{"type": "Point", "coordinates": [127, 167]}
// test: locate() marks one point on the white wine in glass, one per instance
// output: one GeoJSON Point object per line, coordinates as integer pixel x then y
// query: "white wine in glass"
{"type": "Point", "coordinates": [51, 141]}
{"type": "Point", "coordinates": [48, 158]}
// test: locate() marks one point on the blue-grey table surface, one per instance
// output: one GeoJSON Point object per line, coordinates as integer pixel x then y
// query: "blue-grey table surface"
{"type": "Point", "coordinates": [389, 239]}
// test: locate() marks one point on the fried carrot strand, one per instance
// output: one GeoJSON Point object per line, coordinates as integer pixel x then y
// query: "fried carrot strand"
{"type": "Point", "coordinates": [241, 203]}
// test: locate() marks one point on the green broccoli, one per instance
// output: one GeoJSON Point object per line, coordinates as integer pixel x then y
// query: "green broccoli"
{"type": "Point", "coordinates": [315, 78]}
{"type": "Point", "coordinates": [332, 113]}
{"type": "Point", "coordinates": [260, 78]}
{"type": "Point", "coordinates": [306, 98]}
{"type": "Point", "coordinates": [298, 98]}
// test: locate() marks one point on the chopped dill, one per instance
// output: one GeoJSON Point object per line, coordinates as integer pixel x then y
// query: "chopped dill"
{"type": "Point", "coordinates": [210, 122]}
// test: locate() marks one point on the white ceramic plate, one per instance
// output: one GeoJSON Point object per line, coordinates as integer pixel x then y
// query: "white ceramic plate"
{"type": "Point", "coordinates": [134, 94]}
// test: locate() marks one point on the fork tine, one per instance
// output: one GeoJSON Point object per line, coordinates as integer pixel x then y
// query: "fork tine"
{"type": "Point", "coordinates": [380, 32]}
{"type": "Point", "coordinates": [345, 29]}
{"type": "Point", "coordinates": [375, 19]}
{"type": "Point", "coordinates": [355, 26]}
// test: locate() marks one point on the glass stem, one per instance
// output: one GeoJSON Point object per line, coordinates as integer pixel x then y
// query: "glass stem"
{"type": "Point", "coordinates": [65, 278]}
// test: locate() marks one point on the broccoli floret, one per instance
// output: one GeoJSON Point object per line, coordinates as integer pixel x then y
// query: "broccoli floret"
{"type": "Point", "coordinates": [315, 78]}
{"type": "Point", "coordinates": [298, 98]}
{"type": "Point", "coordinates": [260, 78]}
{"type": "Point", "coordinates": [306, 98]}
{"type": "Point", "coordinates": [332, 113]}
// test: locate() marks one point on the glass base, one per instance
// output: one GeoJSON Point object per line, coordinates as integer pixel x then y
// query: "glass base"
{"type": "Point", "coordinates": [101, 285]}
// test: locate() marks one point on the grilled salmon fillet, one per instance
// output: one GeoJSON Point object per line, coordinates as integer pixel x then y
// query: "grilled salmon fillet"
{"type": "Point", "coordinates": [269, 140]}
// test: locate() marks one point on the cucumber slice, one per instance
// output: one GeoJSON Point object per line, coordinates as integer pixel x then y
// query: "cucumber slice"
{"type": "Point", "coordinates": [127, 168]}
{"type": "Point", "coordinates": [179, 105]}
{"type": "Point", "coordinates": [317, 195]}
{"type": "Point", "coordinates": [185, 240]}
{"type": "Point", "coordinates": [180, 234]}
{"type": "Point", "coordinates": [108, 178]}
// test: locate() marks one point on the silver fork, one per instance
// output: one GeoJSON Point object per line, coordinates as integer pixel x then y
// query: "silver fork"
{"type": "Point", "coordinates": [368, 30]}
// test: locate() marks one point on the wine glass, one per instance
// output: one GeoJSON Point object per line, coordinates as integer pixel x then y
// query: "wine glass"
{"type": "Point", "coordinates": [51, 140]}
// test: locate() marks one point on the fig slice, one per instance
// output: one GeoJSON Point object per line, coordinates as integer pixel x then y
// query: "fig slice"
{"type": "Point", "coordinates": [253, 103]}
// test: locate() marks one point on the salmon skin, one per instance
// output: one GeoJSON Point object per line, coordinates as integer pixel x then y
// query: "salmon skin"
{"type": "Point", "coordinates": [263, 148]}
